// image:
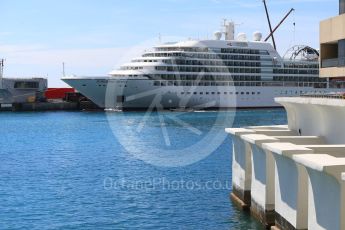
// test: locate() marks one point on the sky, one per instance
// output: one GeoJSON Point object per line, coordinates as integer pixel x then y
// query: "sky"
{"type": "Point", "coordinates": [93, 37]}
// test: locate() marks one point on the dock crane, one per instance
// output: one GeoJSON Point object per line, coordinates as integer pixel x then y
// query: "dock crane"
{"type": "Point", "coordinates": [271, 35]}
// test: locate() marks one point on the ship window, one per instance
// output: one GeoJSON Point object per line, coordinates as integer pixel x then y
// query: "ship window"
{"type": "Point", "coordinates": [120, 99]}
{"type": "Point", "coordinates": [26, 85]}
{"type": "Point", "coordinates": [242, 93]}
{"type": "Point", "coordinates": [201, 93]}
{"type": "Point", "coordinates": [195, 93]}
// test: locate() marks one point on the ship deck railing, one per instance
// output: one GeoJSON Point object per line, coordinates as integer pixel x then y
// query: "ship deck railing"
{"type": "Point", "coordinates": [327, 95]}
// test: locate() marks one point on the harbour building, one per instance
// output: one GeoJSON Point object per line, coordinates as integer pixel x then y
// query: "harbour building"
{"type": "Point", "coordinates": [20, 90]}
{"type": "Point", "coordinates": [332, 47]}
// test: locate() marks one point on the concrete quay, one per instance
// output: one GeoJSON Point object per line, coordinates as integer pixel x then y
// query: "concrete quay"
{"type": "Point", "coordinates": [293, 177]}
{"type": "Point", "coordinates": [51, 105]}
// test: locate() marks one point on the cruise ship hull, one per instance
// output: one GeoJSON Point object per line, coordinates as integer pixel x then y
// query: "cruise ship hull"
{"type": "Point", "coordinates": [142, 94]}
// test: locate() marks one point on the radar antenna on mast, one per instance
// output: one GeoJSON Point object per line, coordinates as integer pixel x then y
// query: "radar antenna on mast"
{"type": "Point", "coordinates": [229, 29]}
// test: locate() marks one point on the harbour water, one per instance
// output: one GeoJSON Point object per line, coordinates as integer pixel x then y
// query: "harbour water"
{"type": "Point", "coordinates": [71, 170]}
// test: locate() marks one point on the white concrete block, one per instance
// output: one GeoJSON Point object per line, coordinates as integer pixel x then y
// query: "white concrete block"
{"type": "Point", "coordinates": [241, 160]}
{"type": "Point", "coordinates": [329, 149]}
{"type": "Point", "coordinates": [262, 185]}
{"type": "Point", "coordinates": [305, 115]}
{"type": "Point", "coordinates": [290, 185]}
{"type": "Point", "coordinates": [273, 127]}
{"type": "Point", "coordinates": [302, 140]}
{"type": "Point", "coordinates": [326, 202]}
{"type": "Point", "coordinates": [241, 166]}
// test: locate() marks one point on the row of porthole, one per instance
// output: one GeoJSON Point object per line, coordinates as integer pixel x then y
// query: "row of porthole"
{"type": "Point", "coordinates": [301, 92]}
{"type": "Point", "coordinates": [225, 93]}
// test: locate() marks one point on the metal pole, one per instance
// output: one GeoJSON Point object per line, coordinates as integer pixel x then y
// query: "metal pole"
{"type": "Point", "coordinates": [1, 72]}
{"type": "Point", "coordinates": [341, 43]}
{"type": "Point", "coordinates": [2, 61]}
{"type": "Point", "coordinates": [341, 7]}
{"type": "Point", "coordinates": [1, 68]}
{"type": "Point", "coordinates": [281, 22]}
{"type": "Point", "coordinates": [63, 69]}
{"type": "Point", "coordinates": [269, 23]}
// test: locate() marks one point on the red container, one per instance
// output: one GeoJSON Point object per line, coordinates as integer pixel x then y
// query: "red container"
{"type": "Point", "coordinates": [58, 93]}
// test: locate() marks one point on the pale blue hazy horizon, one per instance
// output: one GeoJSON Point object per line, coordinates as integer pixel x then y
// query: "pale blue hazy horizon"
{"type": "Point", "coordinates": [93, 37]}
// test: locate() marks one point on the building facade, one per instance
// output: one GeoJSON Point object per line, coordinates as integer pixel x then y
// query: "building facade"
{"type": "Point", "coordinates": [16, 90]}
{"type": "Point", "coordinates": [332, 45]}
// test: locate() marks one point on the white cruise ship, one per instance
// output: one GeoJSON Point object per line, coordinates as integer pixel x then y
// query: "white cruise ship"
{"type": "Point", "coordinates": [205, 74]}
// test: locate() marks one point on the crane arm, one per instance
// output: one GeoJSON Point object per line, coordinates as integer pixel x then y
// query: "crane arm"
{"type": "Point", "coordinates": [281, 22]}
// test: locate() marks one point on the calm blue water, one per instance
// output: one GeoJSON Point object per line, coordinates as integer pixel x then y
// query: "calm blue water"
{"type": "Point", "coordinates": [69, 171]}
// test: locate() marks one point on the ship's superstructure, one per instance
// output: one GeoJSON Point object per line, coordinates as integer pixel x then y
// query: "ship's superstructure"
{"type": "Point", "coordinates": [207, 74]}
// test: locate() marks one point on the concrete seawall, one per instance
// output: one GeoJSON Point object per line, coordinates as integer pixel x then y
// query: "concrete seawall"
{"type": "Point", "coordinates": [293, 177]}
{"type": "Point", "coordinates": [50, 106]}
